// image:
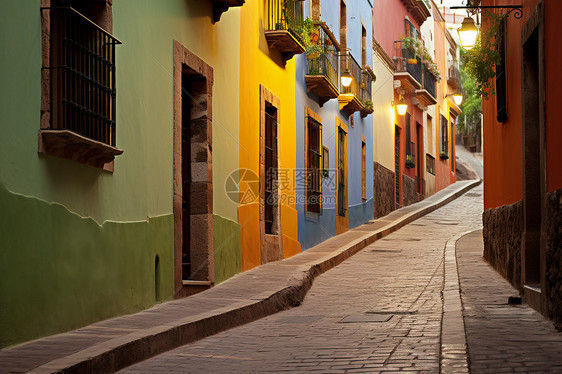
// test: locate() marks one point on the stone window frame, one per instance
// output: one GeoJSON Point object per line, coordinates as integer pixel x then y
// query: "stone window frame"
{"type": "Point", "coordinates": [271, 245]}
{"type": "Point", "coordinates": [201, 191]}
{"type": "Point", "coordinates": [66, 143]}
{"type": "Point", "coordinates": [310, 113]}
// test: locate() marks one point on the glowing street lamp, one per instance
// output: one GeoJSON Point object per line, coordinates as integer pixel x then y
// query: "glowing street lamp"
{"type": "Point", "coordinates": [457, 98]}
{"type": "Point", "coordinates": [468, 32]}
{"type": "Point", "coordinates": [346, 79]}
{"type": "Point", "coordinates": [401, 106]}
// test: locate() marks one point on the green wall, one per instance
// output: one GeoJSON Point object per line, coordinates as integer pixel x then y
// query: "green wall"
{"type": "Point", "coordinates": [226, 238]}
{"type": "Point", "coordinates": [62, 271]}
{"type": "Point", "coordinates": [78, 244]}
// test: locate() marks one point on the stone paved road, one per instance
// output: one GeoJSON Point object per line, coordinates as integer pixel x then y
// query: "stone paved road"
{"type": "Point", "coordinates": [379, 311]}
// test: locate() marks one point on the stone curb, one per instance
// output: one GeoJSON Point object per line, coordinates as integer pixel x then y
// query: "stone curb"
{"type": "Point", "coordinates": [118, 353]}
{"type": "Point", "coordinates": [454, 350]}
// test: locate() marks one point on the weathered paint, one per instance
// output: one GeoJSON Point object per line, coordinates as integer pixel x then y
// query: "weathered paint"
{"type": "Point", "coordinates": [61, 271]}
{"type": "Point", "coordinates": [80, 262]}
{"type": "Point", "coordinates": [226, 236]}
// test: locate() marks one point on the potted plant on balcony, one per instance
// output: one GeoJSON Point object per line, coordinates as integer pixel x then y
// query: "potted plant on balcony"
{"type": "Point", "coordinates": [311, 38]}
{"type": "Point", "coordinates": [422, 55]}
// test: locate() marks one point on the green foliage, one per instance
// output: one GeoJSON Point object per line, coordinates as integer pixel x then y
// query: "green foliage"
{"type": "Point", "coordinates": [418, 49]}
{"type": "Point", "coordinates": [480, 62]}
{"type": "Point", "coordinates": [368, 104]}
{"type": "Point", "coordinates": [311, 38]}
{"type": "Point", "coordinates": [472, 102]}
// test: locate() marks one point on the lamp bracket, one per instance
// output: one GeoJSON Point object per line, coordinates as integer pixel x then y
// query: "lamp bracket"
{"type": "Point", "coordinates": [517, 9]}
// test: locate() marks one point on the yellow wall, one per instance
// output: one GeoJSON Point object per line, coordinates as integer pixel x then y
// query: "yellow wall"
{"type": "Point", "coordinates": [383, 116]}
{"type": "Point", "coordinates": [260, 66]}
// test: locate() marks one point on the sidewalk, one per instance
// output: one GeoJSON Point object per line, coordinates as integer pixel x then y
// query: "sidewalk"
{"type": "Point", "coordinates": [501, 338]}
{"type": "Point", "coordinates": [109, 345]}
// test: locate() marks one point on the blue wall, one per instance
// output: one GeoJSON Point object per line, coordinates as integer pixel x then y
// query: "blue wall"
{"type": "Point", "coordinates": [314, 229]}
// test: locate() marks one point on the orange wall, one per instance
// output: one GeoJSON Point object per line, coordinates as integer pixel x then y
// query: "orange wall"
{"type": "Point", "coordinates": [503, 142]}
{"type": "Point", "coordinates": [442, 167]}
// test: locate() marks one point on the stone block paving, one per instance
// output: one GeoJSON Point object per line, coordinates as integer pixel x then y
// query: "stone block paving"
{"type": "Point", "coordinates": [501, 338]}
{"type": "Point", "coordinates": [398, 279]}
{"type": "Point", "coordinates": [109, 345]}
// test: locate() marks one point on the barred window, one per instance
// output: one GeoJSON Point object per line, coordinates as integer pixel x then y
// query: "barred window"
{"type": "Point", "coordinates": [314, 166]}
{"type": "Point", "coordinates": [79, 83]}
{"type": "Point", "coordinates": [82, 68]}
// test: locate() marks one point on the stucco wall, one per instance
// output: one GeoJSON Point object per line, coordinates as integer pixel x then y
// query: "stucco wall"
{"type": "Point", "coordinates": [262, 66]}
{"type": "Point", "coordinates": [94, 234]}
{"type": "Point", "coordinates": [384, 114]}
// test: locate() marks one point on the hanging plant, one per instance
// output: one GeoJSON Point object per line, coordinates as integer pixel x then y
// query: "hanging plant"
{"type": "Point", "coordinates": [480, 61]}
{"type": "Point", "coordinates": [418, 49]}
{"type": "Point", "coordinates": [311, 38]}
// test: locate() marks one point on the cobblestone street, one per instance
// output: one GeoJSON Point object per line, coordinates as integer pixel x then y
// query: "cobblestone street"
{"type": "Point", "coordinates": [380, 311]}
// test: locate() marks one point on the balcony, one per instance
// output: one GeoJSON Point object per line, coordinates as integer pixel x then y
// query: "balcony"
{"type": "Point", "coordinates": [367, 78]}
{"type": "Point", "coordinates": [454, 77]}
{"type": "Point", "coordinates": [419, 10]}
{"type": "Point", "coordinates": [283, 27]}
{"type": "Point", "coordinates": [426, 94]}
{"type": "Point", "coordinates": [351, 97]}
{"type": "Point", "coordinates": [221, 6]}
{"type": "Point", "coordinates": [408, 68]}
{"type": "Point", "coordinates": [323, 72]}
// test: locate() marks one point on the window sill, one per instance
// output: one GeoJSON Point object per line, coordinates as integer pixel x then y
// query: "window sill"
{"type": "Point", "coordinates": [72, 146]}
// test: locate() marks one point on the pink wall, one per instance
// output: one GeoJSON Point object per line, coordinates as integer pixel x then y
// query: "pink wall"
{"type": "Point", "coordinates": [388, 23]}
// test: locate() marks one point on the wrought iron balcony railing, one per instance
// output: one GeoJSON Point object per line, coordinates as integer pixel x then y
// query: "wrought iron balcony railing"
{"type": "Point", "coordinates": [429, 82]}
{"type": "Point", "coordinates": [454, 77]}
{"type": "Point", "coordinates": [406, 61]}
{"type": "Point", "coordinates": [366, 83]}
{"type": "Point", "coordinates": [285, 15]}
{"type": "Point", "coordinates": [326, 62]}
{"type": "Point", "coordinates": [348, 63]}
{"type": "Point", "coordinates": [82, 84]}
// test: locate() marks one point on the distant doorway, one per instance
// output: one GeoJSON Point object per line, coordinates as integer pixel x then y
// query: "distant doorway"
{"type": "Point", "coordinates": [420, 185]}
{"type": "Point", "coordinates": [397, 165]}
{"type": "Point", "coordinates": [534, 170]}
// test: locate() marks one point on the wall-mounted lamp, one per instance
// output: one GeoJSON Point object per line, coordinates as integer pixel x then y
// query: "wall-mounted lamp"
{"type": "Point", "coordinates": [401, 106]}
{"type": "Point", "coordinates": [346, 78]}
{"type": "Point", "coordinates": [468, 32]}
{"type": "Point", "coordinates": [457, 98]}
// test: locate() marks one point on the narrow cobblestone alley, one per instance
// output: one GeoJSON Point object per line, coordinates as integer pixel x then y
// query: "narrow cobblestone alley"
{"type": "Point", "coordinates": [378, 311]}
